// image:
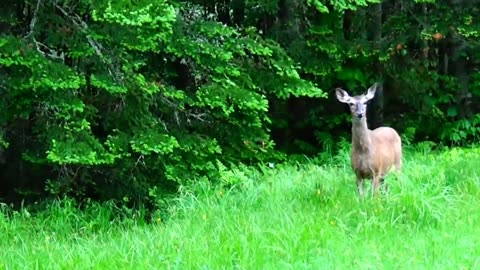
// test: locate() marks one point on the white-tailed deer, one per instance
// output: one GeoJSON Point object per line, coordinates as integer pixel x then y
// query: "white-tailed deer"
{"type": "Point", "coordinates": [374, 152]}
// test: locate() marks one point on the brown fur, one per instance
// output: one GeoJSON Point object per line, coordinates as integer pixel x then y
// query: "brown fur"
{"type": "Point", "coordinates": [374, 152]}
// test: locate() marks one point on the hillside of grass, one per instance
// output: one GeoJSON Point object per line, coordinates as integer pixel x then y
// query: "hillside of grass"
{"type": "Point", "coordinates": [300, 215]}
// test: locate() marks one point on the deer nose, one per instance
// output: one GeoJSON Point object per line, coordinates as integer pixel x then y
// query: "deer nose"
{"type": "Point", "coordinates": [359, 115]}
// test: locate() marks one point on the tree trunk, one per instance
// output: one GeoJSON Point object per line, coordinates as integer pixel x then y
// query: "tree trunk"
{"type": "Point", "coordinates": [374, 34]}
{"type": "Point", "coordinates": [459, 63]}
{"type": "Point", "coordinates": [347, 24]}
{"type": "Point", "coordinates": [223, 9]}
{"type": "Point", "coordinates": [238, 7]}
{"type": "Point", "coordinates": [459, 69]}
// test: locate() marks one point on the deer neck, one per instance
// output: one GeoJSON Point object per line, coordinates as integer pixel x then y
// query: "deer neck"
{"type": "Point", "coordinates": [360, 135]}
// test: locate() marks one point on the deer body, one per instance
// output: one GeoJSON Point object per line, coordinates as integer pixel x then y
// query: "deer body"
{"type": "Point", "coordinates": [374, 152]}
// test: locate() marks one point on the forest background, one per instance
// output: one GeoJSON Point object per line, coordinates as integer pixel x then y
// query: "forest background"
{"type": "Point", "coordinates": [129, 100]}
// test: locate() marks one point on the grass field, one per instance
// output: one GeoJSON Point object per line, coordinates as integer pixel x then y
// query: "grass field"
{"type": "Point", "coordinates": [295, 216]}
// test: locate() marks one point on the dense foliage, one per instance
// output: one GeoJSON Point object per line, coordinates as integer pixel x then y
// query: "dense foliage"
{"type": "Point", "coordinates": [128, 98]}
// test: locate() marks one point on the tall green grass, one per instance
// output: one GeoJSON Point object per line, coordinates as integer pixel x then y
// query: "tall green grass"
{"type": "Point", "coordinates": [293, 216]}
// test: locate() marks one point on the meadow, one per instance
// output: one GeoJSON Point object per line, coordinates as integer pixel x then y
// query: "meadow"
{"type": "Point", "coordinates": [298, 215]}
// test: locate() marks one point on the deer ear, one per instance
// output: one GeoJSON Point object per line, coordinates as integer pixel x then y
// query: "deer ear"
{"type": "Point", "coordinates": [371, 91]}
{"type": "Point", "coordinates": [342, 95]}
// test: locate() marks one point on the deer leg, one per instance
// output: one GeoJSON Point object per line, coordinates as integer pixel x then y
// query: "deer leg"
{"type": "Point", "coordinates": [398, 175]}
{"type": "Point", "coordinates": [383, 184]}
{"type": "Point", "coordinates": [361, 189]}
{"type": "Point", "coordinates": [398, 168]}
{"type": "Point", "coordinates": [375, 184]}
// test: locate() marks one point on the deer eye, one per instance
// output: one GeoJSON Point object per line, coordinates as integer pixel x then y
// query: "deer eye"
{"type": "Point", "coordinates": [351, 104]}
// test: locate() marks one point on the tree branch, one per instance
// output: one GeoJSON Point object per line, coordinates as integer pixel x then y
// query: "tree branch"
{"type": "Point", "coordinates": [34, 19]}
{"type": "Point", "coordinates": [47, 51]}
{"type": "Point", "coordinates": [94, 44]}
{"type": "Point", "coordinates": [50, 52]}
{"type": "Point", "coordinates": [80, 24]}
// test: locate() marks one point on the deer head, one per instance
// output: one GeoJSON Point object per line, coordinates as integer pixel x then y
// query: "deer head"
{"type": "Point", "coordinates": [357, 104]}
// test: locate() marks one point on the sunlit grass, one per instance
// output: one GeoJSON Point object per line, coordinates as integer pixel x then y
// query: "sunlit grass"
{"type": "Point", "coordinates": [293, 216]}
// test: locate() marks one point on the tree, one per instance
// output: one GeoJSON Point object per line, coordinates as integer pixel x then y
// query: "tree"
{"type": "Point", "coordinates": [133, 95]}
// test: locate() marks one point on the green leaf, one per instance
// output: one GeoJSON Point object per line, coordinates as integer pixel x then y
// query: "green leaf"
{"type": "Point", "coordinates": [452, 111]}
{"type": "Point", "coordinates": [149, 142]}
